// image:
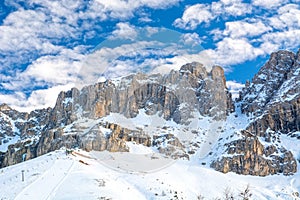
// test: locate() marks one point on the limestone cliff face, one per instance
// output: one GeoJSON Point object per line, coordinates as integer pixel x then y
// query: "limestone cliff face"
{"type": "Point", "coordinates": [276, 81]}
{"type": "Point", "coordinates": [14, 123]}
{"type": "Point", "coordinates": [175, 96]}
{"type": "Point", "coordinates": [277, 103]}
{"type": "Point", "coordinates": [192, 86]}
{"type": "Point", "coordinates": [20, 132]}
{"type": "Point", "coordinates": [18, 152]}
{"type": "Point", "coordinates": [272, 102]}
{"type": "Point", "coordinates": [249, 156]}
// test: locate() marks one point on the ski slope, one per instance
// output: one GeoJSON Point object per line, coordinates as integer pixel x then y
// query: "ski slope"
{"type": "Point", "coordinates": [90, 176]}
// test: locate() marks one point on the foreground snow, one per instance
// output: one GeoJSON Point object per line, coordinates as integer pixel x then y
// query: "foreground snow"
{"type": "Point", "coordinates": [103, 175]}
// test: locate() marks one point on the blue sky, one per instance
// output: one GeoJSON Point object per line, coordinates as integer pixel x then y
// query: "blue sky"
{"type": "Point", "coordinates": [48, 45]}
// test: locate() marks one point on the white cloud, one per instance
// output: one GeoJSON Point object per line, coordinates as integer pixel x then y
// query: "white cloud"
{"type": "Point", "coordinates": [286, 23]}
{"type": "Point", "coordinates": [194, 16]}
{"type": "Point", "coordinates": [238, 29]}
{"type": "Point", "coordinates": [29, 33]}
{"type": "Point", "coordinates": [106, 60]}
{"type": "Point", "coordinates": [197, 14]}
{"type": "Point", "coordinates": [124, 30]}
{"type": "Point", "coordinates": [47, 70]}
{"type": "Point", "coordinates": [176, 62]}
{"type": "Point", "coordinates": [150, 31]}
{"type": "Point", "coordinates": [52, 70]}
{"type": "Point", "coordinates": [247, 38]}
{"type": "Point", "coordinates": [231, 51]}
{"type": "Point", "coordinates": [286, 40]}
{"type": "Point", "coordinates": [269, 3]}
{"type": "Point", "coordinates": [125, 9]}
{"type": "Point", "coordinates": [143, 55]}
{"type": "Point", "coordinates": [230, 7]}
{"type": "Point", "coordinates": [37, 100]}
{"type": "Point", "coordinates": [234, 88]}
{"type": "Point", "coordinates": [192, 39]}
{"type": "Point", "coordinates": [24, 30]}
{"type": "Point", "coordinates": [288, 17]}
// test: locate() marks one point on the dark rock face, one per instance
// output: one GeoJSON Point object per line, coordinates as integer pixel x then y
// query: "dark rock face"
{"type": "Point", "coordinates": [21, 131]}
{"type": "Point", "coordinates": [272, 101]}
{"type": "Point", "coordinates": [19, 152]}
{"type": "Point", "coordinates": [174, 96]}
{"type": "Point", "coordinates": [93, 140]}
{"type": "Point", "coordinates": [280, 118]}
{"type": "Point", "coordinates": [278, 78]}
{"type": "Point", "coordinates": [249, 157]}
{"type": "Point", "coordinates": [25, 125]}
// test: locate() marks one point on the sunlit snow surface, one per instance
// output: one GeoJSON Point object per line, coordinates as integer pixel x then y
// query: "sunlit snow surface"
{"type": "Point", "coordinates": [84, 176]}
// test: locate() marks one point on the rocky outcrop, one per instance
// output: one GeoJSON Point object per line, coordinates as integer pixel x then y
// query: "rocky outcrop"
{"type": "Point", "coordinates": [272, 102]}
{"type": "Point", "coordinates": [169, 145]}
{"type": "Point", "coordinates": [18, 152]}
{"type": "Point", "coordinates": [20, 132]}
{"type": "Point", "coordinates": [249, 157]}
{"type": "Point", "coordinates": [22, 124]}
{"type": "Point", "coordinates": [275, 82]}
{"type": "Point", "coordinates": [277, 102]}
{"type": "Point", "coordinates": [279, 118]}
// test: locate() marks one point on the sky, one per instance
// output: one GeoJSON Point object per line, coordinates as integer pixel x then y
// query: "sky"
{"type": "Point", "coordinates": [48, 46]}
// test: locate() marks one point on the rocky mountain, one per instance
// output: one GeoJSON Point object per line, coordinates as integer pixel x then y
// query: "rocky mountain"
{"type": "Point", "coordinates": [20, 131]}
{"type": "Point", "coordinates": [81, 118]}
{"type": "Point", "coordinates": [184, 114]}
{"type": "Point", "coordinates": [272, 102]}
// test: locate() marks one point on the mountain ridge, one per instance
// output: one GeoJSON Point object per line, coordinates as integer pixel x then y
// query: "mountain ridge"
{"type": "Point", "coordinates": [183, 102]}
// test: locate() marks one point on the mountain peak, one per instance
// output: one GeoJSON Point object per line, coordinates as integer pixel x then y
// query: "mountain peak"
{"type": "Point", "coordinates": [280, 68]}
{"type": "Point", "coordinates": [196, 68]}
{"type": "Point", "coordinates": [4, 107]}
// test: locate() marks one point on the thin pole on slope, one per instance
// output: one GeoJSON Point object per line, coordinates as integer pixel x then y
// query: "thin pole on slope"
{"type": "Point", "coordinates": [23, 175]}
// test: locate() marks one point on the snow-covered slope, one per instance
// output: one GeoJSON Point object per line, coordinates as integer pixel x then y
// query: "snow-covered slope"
{"type": "Point", "coordinates": [83, 175]}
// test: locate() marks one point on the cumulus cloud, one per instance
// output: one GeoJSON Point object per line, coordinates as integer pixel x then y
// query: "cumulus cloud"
{"type": "Point", "coordinates": [139, 56]}
{"type": "Point", "coordinates": [230, 8]}
{"type": "Point", "coordinates": [237, 29]}
{"type": "Point", "coordinates": [231, 51]}
{"type": "Point", "coordinates": [268, 4]}
{"type": "Point", "coordinates": [174, 63]}
{"type": "Point", "coordinates": [38, 99]}
{"type": "Point", "coordinates": [29, 33]}
{"type": "Point", "coordinates": [124, 30]}
{"type": "Point", "coordinates": [287, 17]}
{"type": "Point", "coordinates": [193, 16]}
{"type": "Point", "coordinates": [249, 36]}
{"type": "Point", "coordinates": [192, 39]}
{"type": "Point", "coordinates": [151, 52]}
{"type": "Point", "coordinates": [125, 9]}
{"type": "Point", "coordinates": [45, 69]}
{"type": "Point", "coordinates": [198, 14]}
{"type": "Point", "coordinates": [286, 40]}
